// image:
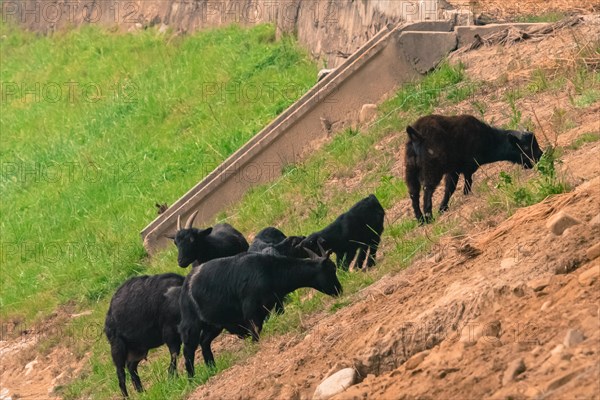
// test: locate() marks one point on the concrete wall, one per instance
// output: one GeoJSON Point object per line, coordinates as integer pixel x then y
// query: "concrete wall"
{"type": "Point", "coordinates": [392, 57]}
{"type": "Point", "coordinates": [329, 29]}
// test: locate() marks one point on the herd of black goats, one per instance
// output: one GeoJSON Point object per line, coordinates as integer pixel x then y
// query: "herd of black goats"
{"type": "Point", "coordinates": [234, 286]}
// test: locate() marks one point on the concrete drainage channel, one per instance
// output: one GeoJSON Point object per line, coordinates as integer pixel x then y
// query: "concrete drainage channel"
{"type": "Point", "coordinates": [394, 56]}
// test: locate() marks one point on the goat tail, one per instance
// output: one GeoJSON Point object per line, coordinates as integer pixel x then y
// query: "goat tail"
{"type": "Point", "coordinates": [110, 328]}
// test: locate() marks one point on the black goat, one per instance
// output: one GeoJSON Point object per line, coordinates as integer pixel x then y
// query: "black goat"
{"type": "Point", "coordinates": [196, 246]}
{"type": "Point", "coordinates": [449, 146]}
{"type": "Point", "coordinates": [358, 229]}
{"type": "Point", "coordinates": [267, 237]}
{"type": "Point", "coordinates": [291, 246]}
{"type": "Point", "coordinates": [143, 314]}
{"type": "Point", "coordinates": [236, 294]}
{"type": "Point", "coordinates": [272, 241]}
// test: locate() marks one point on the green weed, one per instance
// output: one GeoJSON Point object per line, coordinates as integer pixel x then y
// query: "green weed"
{"type": "Point", "coordinates": [589, 137]}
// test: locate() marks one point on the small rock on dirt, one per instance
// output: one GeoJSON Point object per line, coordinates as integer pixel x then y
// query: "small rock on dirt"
{"type": "Point", "coordinates": [514, 369]}
{"type": "Point", "coordinates": [415, 360]}
{"type": "Point", "coordinates": [163, 28]}
{"type": "Point", "coordinates": [588, 277]}
{"type": "Point", "coordinates": [595, 221]}
{"type": "Point", "coordinates": [508, 263]}
{"type": "Point", "coordinates": [573, 338]}
{"type": "Point", "coordinates": [5, 394]}
{"type": "Point", "coordinates": [555, 384]}
{"type": "Point", "coordinates": [558, 349]}
{"type": "Point", "coordinates": [488, 332]}
{"type": "Point", "coordinates": [29, 367]}
{"type": "Point", "coordinates": [593, 252]}
{"type": "Point", "coordinates": [561, 221]}
{"type": "Point", "coordinates": [323, 73]}
{"type": "Point", "coordinates": [539, 284]}
{"type": "Point", "coordinates": [566, 266]}
{"type": "Point", "coordinates": [537, 350]}
{"type": "Point", "coordinates": [367, 113]}
{"type": "Point", "coordinates": [335, 384]}
{"type": "Point", "coordinates": [546, 305]}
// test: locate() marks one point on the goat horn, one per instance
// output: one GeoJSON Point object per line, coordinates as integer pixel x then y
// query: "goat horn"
{"type": "Point", "coordinates": [311, 253]}
{"type": "Point", "coordinates": [190, 220]}
{"type": "Point", "coordinates": [178, 223]}
{"type": "Point", "coordinates": [321, 249]}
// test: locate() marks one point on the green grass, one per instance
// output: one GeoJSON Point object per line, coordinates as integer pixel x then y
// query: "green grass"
{"type": "Point", "coordinates": [176, 387]}
{"type": "Point", "coordinates": [589, 137]}
{"type": "Point", "coordinates": [84, 163]}
{"type": "Point", "coordinates": [550, 16]}
{"type": "Point", "coordinates": [514, 192]}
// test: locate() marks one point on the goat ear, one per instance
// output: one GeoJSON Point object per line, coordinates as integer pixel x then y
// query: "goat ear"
{"type": "Point", "coordinates": [413, 135]}
{"type": "Point", "coordinates": [172, 237]}
{"type": "Point", "coordinates": [205, 232]}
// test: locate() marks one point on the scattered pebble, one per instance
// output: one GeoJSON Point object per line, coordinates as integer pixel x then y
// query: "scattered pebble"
{"type": "Point", "coordinates": [555, 384]}
{"type": "Point", "coordinates": [547, 304]}
{"type": "Point", "coordinates": [514, 369]}
{"type": "Point", "coordinates": [335, 384]}
{"type": "Point", "coordinates": [29, 366]}
{"type": "Point", "coordinates": [593, 251]}
{"type": "Point", "coordinates": [588, 277]}
{"type": "Point", "coordinates": [508, 263]}
{"type": "Point", "coordinates": [573, 338]}
{"type": "Point", "coordinates": [595, 221]}
{"type": "Point", "coordinates": [415, 360]}
{"type": "Point", "coordinates": [367, 113]}
{"type": "Point", "coordinates": [539, 284]}
{"type": "Point", "coordinates": [559, 222]}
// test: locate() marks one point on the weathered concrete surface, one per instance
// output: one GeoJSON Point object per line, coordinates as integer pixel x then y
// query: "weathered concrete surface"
{"type": "Point", "coordinates": [424, 49]}
{"type": "Point", "coordinates": [368, 76]}
{"type": "Point", "coordinates": [329, 29]}
{"type": "Point", "coordinates": [431, 26]}
{"type": "Point", "coordinates": [466, 34]}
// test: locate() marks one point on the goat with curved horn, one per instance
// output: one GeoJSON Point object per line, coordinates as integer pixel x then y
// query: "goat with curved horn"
{"type": "Point", "coordinates": [196, 246]}
{"type": "Point", "coordinates": [311, 254]}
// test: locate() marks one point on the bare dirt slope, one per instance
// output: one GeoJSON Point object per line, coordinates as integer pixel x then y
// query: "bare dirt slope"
{"type": "Point", "coordinates": [461, 322]}
{"type": "Point", "coordinates": [507, 310]}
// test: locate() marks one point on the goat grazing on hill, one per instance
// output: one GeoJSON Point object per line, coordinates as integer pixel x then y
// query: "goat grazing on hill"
{"type": "Point", "coordinates": [236, 294]}
{"type": "Point", "coordinates": [143, 314]}
{"type": "Point", "coordinates": [196, 246]}
{"type": "Point", "coordinates": [440, 146]}
{"type": "Point", "coordinates": [272, 241]}
{"type": "Point", "coordinates": [358, 229]}
{"type": "Point", "coordinates": [267, 237]}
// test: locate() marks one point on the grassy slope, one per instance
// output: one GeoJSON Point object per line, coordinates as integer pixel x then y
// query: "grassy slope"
{"type": "Point", "coordinates": [147, 117]}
